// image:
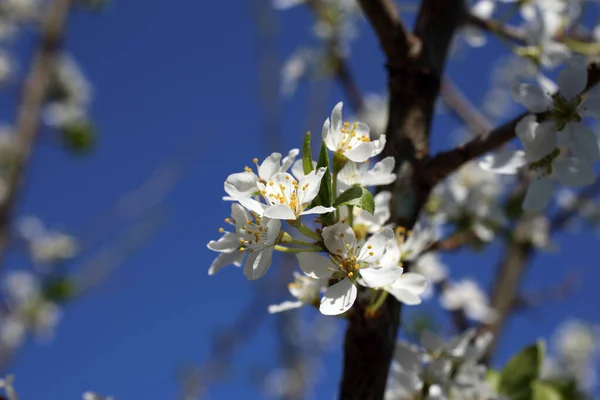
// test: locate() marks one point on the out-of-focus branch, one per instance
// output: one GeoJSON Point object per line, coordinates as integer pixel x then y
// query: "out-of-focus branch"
{"type": "Point", "coordinates": [341, 69]}
{"type": "Point", "coordinates": [505, 31]}
{"type": "Point", "coordinates": [395, 39]}
{"type": "Point", "coordinates": [443, 164]}
{"type": "Point", "coordinates": [505, 291]}
{"type": "Point", "coordinates": [451, 242]}
{"type": "Point", "coordinates": [464, 109]}
{"type": "Point", "coordinates": [509, 274]}
{"type": "Point", "coordinates": [556, 293]}
{"type": "Point", "coordinates": [28, 114]}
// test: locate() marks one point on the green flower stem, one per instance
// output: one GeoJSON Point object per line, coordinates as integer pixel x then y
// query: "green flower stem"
{"type": "Point", "coordinates": [378, 303]}
{"type": "Point", "coordinates": [284, 249]}
{"type": "Point", "coordinates": [302, 243]}
{"type": "Point", "coordinates": [309, 233]}
{"type": "Point", "coordinates": [351, 215]}
{"type": "Point", "coordinates": [334, 193]}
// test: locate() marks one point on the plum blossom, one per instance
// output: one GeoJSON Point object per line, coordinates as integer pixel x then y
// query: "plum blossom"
{"type": "Point", "coordinates": [466, 295]}
{"type": "Point", "coordinates": [286, 198]}
{"type": "Point", "coordinates": [256, 239]}
{"type": "Point", "coordinates": [245, 184]}
{"type": "Point", "coordinates": [353, 173]}
{"type": "Point", "coordinates": [349, 260]}
{"type": "Point", "coordinates": [450, 368]}
{"type": "Point", "coordinates": [354, 141]}
{"type": "Point", "coordinates": [304, 289]}
{"type": "Point", "coordinates": [566, 112]}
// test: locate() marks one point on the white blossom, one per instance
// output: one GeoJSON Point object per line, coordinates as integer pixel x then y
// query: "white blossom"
{"type": "Point", "coordinates": [304, 289]}
{"type": "Point", "coordinates": [466, 295]}
{"type": "Point", "coordinates": [286, 198]}
{"type": "Point", "coordinates": [349, 260]}
{"type": "Point", "coordinates": [245, 184]}
{"type": "Point", "coordinates": [353, 141]}
{"type": "Point", "coordinates": [353, 173]}
{"type": "Point", "coordinates": [256, 239]}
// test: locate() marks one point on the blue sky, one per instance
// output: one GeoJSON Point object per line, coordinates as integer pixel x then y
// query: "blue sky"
{"type": "Point", "coordinates": [179, 80]}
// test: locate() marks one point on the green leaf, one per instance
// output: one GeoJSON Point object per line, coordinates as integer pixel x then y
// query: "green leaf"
{"type": "Point", "coordinates": [78, 137]}
{"type": "Point", "coordinates": [493, 378]}
{"type": "Point", "coordinates": [358, 197]}
{"type": "Point", "coordinates": [307, 163]}
{"type": "Point", "coordinates": [544, 391]}
{"type": "Point", "coordinates": [325, 192]}
{"type": "Point", "coordinates": [521, 371]}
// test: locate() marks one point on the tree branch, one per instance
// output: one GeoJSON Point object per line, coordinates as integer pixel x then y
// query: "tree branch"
{"type": "Point", "coordinates": [415, 64]}
{"type": "Point", "coordinates": [464, 109]}
{"type": "Point", "coordinates": [32, 101]}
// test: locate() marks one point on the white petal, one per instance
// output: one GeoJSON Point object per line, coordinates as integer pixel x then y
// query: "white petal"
{"type": "Point", "coordinates": [339, 238]}
{"type": "Point", "coordinates": [225, 259]}
{"type": "Point", "coordinates": [315, 265]}
{"type": "Point", "coordinates": [338, 298]}
{"type": "Point", "coordinates": [590, 107]}
{"type": "Point", "coordinates": [227, 243]}
{"type": "Point", "coordinates": [241, 184]}
{"type": "Point", "coordinates": [475, 37]}
{"type": "Point", "coordinates": [330, 136]}
{"type": "Point", "coordinates": [361, 152]}
{"type": "Point", "coordinates": [318, 210]}
{"type": "Point", "coordinates": [432, 342]}
{"type": "Point", "coordinates": [413, 282]}
{"type": "Point", "coordinates": [257, 263]}
{"type": "Point", "coordinates": [336, 116]}
{"type": "Point", "coordinates": [381, 174]}
{"type": "Point", "coordinates": [571, 171]}
{"type": "Point", "coordinates": [483, 8]}
{"type": "Point", "coordinates": [313, 180]}
{"type": "Point", "coordinates": [538, 194]}
{"type": "Point", "coordinates": [538, 139]}
{"type": "Point", "coordinates": [572, 80]}
{"type": "Point", "coordinates": [287, 162]}
{"type": "Point", "coordinates": [285, 306]}
{"type": "Point", "coordinates": [404, 296]}
{"type": "Point", "coordinates": [280, 211]}
{"type": "Point", "coordinates": [373, 249]}
{"type": "Point", "coordinates": [269, 167]}
{"type": "Point", "coordinates": [532, 97]}
{"type": "Point", "coordinates": [505, 161]}
{"type": "Point", "coordinates": [273, 227]}
{"type": "Point", "coordinates": [240, 216]}
{"type": "Point", "coordinates": [380, 277]}
{"type": "Point", "coordinates": [584, 143]}
{"type": "Point", "coordinates": [252, 205]}
{"type": "Point", "coordinates": [298, 169]}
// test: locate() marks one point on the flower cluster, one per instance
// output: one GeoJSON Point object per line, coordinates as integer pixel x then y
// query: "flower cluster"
{"type": "Point", "coordinates": [441, 369]}
{"type": "Point", "coordinates": [558, 147]}
{"type": "Point", "coordinates": [352, 244]}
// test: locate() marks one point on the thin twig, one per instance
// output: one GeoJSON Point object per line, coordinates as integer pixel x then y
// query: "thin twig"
{"type": "Point", "coordinates": [30, 107]}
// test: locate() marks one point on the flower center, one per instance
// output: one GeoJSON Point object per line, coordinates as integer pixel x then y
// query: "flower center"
{"type": "Point", "coordinates": [253, 235]}
{"type": "Point", "coordinates": [284, 193]}
{"type": "Point", "coordinates": [351, 138]}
